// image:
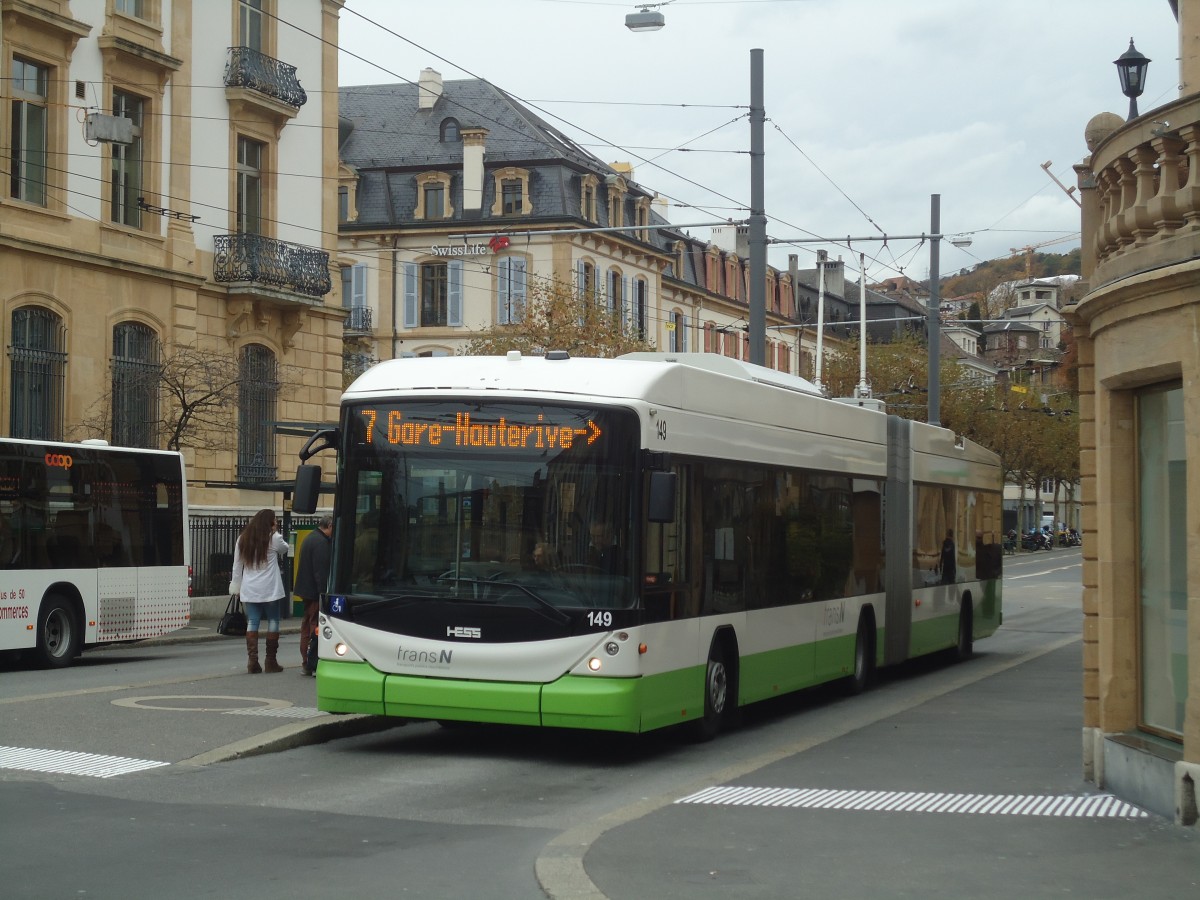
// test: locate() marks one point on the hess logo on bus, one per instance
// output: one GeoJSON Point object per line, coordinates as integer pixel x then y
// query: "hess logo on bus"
{"type": "Point", "coordinates": [462, 631]}
{"type": "Point", "coordinates": [59, 460]}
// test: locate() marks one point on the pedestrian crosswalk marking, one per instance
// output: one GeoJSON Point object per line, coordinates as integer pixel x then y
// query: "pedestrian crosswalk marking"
{"type": "Point", "coordinates": [1089, 806]}
{"type": "Point", "coordinates": [69, 762]}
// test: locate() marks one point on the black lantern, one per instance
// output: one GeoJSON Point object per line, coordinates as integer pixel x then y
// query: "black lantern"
{"type": "Point", "coordinates": [1131, 67]}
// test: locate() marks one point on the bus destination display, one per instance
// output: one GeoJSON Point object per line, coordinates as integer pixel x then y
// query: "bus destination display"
{"type": "Point", "coordinates": [468, 431]}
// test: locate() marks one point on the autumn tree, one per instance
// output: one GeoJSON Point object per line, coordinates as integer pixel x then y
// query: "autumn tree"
{"type": "Point", "coordinates": [189, 399]}
{"type": "Point", "coordinates": [555, 316]}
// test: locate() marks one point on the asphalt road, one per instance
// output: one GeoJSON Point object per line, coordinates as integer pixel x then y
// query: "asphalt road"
{"type": "Point", "coordinates": [207, 782]}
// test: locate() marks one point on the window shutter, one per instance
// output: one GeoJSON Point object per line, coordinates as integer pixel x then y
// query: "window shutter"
{"type": "Point", "coordinates": [681, 327]}
{"type": "Point", "coordinates": [410, 295]}
{"type": "Point", "coordinates": [580, 280]}
{"type": "Point", "coordinates": [454, 277]}
{"type": "Point", "coordinates": [358, 288]}
{"type": "Point", "coordinates": [504, 274]}
{"type": "Point", "coordinates": [517, 282]}
{"type": "Point", "coordinates": [625, 304]}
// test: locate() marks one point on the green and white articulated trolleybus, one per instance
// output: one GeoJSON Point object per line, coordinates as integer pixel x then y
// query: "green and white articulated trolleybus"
{"type": "Point", "coordinates": [631, 543]}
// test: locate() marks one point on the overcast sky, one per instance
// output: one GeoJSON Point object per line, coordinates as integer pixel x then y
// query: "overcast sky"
{"type": "Point", "coordinates": [871, 105]}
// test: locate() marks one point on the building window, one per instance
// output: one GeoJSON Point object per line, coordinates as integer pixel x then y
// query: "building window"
{"type": "Point", "coordinates": [511, 192]}
{"type": "Point", "coordinates": [126, 180]}
{"type": "Point", "coordinates": [433, 294]}
{"type": "Point", "coordinates": [615, 295]}
{"type": "Point", "coordinates": [511, 280]}
{"type": "Point", "coordinates": [354, 285]}
{"type": "Point", "coordinates": [30, 135]}
{"type": "Point", "coordinates": [38, 360]}
{"type": "Point", "coordinates": [677, 332]}
{"type": "Point", "coordinates": [449, 131]}
{"type": "Point", "coordinates": [136, 364]}
{"type": "Point", "coordinates": [251, 24]}
{"type": "Point", "coordinates": [640, 305]}
{"type": "Point", "coordinates": [258, 395]}
{"type": "Point", "coordinates": [585, 280]}
{"type": "Point", "coordinates": [135, 8]}
{"type": "Point", "coordinates": [1162, 540]}
{"type": "Point", "coordinates": [435, 201]}
{"type": "Point", "coordinates": [433, 196]}
{"type": "Point", "coordinates": [510, 197]}
{"type": "Point", "coordinates": [249, 185]}
{"type": "Point", "coordinates": [587, 197]}
{"type": "Point", "coordinates": [343, 204]}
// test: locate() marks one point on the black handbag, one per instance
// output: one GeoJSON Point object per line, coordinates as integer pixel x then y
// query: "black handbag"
{"type": "Point", "coordinates": [233, 623]}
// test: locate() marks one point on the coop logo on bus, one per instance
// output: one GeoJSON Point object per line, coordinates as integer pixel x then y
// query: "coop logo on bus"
{"type": "Point", "coordinates": [468, 433]}
{"type": "Point", "coordinates": [59, 460]}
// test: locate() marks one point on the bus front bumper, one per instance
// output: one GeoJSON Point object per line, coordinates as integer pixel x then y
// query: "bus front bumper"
{"type": "Point", "coordinates": [604, 704]}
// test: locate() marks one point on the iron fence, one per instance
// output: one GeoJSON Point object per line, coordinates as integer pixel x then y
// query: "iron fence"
{"type": "Point", "coordinates": [212, 541]}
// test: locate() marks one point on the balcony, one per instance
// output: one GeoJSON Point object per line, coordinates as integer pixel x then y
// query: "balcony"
{"type": "Point", "coordinates": [1144, 179]}
{"type": "Point", "coordinates": [257, 260]}
{"type": "Point", "coordinates": [256, 71]}
{"type": "Point", "coordinates": [358, 321]}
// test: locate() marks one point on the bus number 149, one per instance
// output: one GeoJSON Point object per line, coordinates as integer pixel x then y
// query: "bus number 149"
{"type": "Point", "coordinates": [600, 619]}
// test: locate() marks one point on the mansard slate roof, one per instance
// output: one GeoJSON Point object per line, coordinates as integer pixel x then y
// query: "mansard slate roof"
{"type": "Point", "coordinates": [392, 141]}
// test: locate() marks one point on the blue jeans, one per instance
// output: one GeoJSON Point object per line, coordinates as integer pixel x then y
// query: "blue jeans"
{"type": "Point", "coordinates": [256, 612]}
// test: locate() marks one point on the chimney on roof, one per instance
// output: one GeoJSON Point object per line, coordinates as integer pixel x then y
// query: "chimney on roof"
{"type": "Point", "coordinates": [429, 88]}
{"type": "Point", "coordinates": [472, 142]}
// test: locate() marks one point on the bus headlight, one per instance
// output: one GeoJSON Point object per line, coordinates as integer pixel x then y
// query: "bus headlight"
{"type": "Point", "coordinates": [594, 664]}
{"type": "Point", "coordinates": [612, 648]}
{"type": "Point", "coordinates": [340, 649]}
{"type": "Point", "coordinates": [327, 632]}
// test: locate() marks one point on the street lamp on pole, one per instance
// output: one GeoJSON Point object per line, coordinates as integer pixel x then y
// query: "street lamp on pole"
{"type": "Point", "coordinates": [647, 18]}
{"type": "Point", "coordinates": [1131, 69]}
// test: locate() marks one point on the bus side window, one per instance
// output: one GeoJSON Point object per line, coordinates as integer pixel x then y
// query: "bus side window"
{"type": "Point", "coordinates": [666, 583]}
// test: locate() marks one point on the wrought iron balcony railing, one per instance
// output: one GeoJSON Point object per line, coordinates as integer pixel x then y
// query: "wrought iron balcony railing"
{"type": "Point", "coordinates": [251, 69]}
{"type": "Point", "coordinates": [255, 258]}
{"type": "Point", "coordinates": [359, 320]}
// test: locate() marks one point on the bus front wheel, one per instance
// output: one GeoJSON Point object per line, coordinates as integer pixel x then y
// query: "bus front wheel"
{"type": "Point", "coordinates": [59, 634]}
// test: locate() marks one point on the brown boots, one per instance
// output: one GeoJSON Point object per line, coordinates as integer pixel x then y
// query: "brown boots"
{"type": "Point", "coordinates": [252, 666]}
{"type": "Point", "coordinates": [271, 664]}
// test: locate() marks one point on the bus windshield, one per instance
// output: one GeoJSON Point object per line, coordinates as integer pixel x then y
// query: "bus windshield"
{"type": "Point", "coordinates": [515, 503]}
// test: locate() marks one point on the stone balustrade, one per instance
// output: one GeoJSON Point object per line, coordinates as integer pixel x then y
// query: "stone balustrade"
{"type": "Point", "coordinates": [1141, 192]}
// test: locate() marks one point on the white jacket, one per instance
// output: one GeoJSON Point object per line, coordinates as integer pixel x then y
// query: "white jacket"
{"type": "Point", "coordinates": [264, 584]}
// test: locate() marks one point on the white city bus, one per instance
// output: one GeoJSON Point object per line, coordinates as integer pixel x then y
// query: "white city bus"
{"type": "Point", "coordinates": [93, 546]}
{"type": "Point", "coordinates": [628, 544]}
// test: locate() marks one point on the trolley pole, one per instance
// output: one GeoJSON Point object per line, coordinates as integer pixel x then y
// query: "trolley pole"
{"type": "Point", "coordinates": [758, 217]}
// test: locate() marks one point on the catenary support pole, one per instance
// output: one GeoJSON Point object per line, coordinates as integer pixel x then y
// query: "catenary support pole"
{"type": "Point", "coordinates": [758, 217]}
{"type": "Point", "coordinates": [935, 309]}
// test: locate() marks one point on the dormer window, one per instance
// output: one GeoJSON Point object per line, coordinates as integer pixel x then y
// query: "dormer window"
{"type": "Point", "coordinates": [450, 133]}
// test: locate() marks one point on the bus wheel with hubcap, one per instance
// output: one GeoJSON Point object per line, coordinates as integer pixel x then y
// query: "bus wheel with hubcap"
{"type": "Point", "coordinates": [864, 658]}
{"type": "Point", "coordinates": [59, 634]}
{"type": "Point", "coordinates": [716, 696]}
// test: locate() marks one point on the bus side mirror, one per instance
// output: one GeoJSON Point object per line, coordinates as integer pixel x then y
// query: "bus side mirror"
{"type": "Point", "coordinates": [308, 486]}
{"type": "Point", "coordinates": [661, 506]}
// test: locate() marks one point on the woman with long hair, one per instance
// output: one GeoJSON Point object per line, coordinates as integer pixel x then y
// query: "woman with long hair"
{"type": "Point", "coordinates": [256, 576]}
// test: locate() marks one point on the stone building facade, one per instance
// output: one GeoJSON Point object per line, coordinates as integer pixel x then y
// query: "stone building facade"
{"type": "Point", "coordinates": [1137, 330]}
{"type": "Point", "coordinates": [166, 188]}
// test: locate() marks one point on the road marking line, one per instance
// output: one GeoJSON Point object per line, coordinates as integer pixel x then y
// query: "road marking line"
{"type": "Point", "coordinates": [69, 762]}
{"type": "Point", "coordinates": [1091, 806]}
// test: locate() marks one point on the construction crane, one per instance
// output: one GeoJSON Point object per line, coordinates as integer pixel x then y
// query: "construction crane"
{"type": "Point", "coordinates": [1029, 248]}
{"type": "Point", "coordinates": [1069, 191]}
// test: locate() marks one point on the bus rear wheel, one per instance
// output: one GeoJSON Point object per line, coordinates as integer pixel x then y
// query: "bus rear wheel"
{"type": "Point", "coordinates": [59, 633]}
{"type": "Point", "coordinates": [965, 647]}
{"type": "Point", "coordinates": [716, 696]}
{"type": "Point", "coordinates": [864, 658]}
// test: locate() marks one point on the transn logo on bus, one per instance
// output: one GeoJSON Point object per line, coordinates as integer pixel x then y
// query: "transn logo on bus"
{"type": "Point", "coordinates": [460, 631]}
{"type": "Point", "coordinates": [59, 460]}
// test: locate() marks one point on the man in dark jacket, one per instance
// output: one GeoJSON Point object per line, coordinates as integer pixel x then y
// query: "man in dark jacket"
{"type": "Point", "coordinates": [312, 579]}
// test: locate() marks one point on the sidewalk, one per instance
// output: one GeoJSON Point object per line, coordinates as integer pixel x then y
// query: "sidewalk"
{"type": "Point", "coordinates": [205, 629]}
